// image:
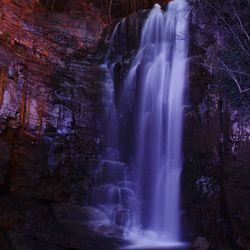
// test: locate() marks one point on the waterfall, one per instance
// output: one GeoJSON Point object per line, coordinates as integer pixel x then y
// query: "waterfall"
{"type": "Point", "coordinates": [155, 87]}
{"type": "Point", "coordinates": [159, 73]}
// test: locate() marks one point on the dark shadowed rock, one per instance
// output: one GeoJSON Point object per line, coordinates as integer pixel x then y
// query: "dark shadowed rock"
{"type": "Point", "coordinates": [200, 243]}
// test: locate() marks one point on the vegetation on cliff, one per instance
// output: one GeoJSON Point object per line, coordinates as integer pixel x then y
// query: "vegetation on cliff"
{"type": "Point", "coordinates": [228, 55]}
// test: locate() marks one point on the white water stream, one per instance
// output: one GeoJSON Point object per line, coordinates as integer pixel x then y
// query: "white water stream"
{"type": "Point", "coordinates": [159, 74]}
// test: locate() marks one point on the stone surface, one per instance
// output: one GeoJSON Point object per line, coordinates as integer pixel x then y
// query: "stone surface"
{"type": "Point", "coordinates": [216, 144]}
{"type": "Point", "coordinates": [199, 243]}
{"type": "Point", "coordinates": [50, 126]}
{"type": "Point", "coordinates": [45, 78]}
{"type": "Point", "coordinates": [31, 224]}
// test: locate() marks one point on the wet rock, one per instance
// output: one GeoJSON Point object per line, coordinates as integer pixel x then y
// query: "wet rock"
{"type": "Point", "coordinates": [123, 217]}
{"type": "Point", "coordinates": [199, 243]}
{"type": "Point", "coordinates": [208, 187]}
{"type": "Point", "coordinates": [105, 194]}
{"type": "Point", "coordinates": [76, 216]}
{"type": "Point", "coordinates": [113, 171]}
{"type": "Point", "coordinates": [112, 230]}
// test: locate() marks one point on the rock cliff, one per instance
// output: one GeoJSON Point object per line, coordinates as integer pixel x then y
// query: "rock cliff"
{"type": "Point", "coordinates": [50, 105]}
{"type": "Point", "coordinates": [216, 143]}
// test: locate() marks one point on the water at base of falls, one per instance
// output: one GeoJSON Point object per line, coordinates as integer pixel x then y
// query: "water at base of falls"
{"type": "Point", "coordinates": [153, 245]}
{"type": "Point", "coordinates": [157, 80]}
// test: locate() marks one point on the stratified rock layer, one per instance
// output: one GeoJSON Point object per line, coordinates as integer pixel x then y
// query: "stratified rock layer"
{"type": "Point", "coordinates": [50, 126]}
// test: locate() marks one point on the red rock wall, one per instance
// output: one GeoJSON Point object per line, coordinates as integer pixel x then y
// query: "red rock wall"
{"type": "Point", "coordinates": [35, 46]}
{"type": "Point", "coordinates": [50, 126]}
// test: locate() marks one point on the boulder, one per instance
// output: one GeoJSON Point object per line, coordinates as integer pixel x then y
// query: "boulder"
{"type": "Point", "coordinates": [200, 243]}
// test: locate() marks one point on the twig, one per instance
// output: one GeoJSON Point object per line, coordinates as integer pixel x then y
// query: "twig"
{"type": "Point", "coordinates": [229, 29]}
{"type": "Point", "coordinates": [232, 75]}
{"type": "Point", "coordinates": [241, 25]}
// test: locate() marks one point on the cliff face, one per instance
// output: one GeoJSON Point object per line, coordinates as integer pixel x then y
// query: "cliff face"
{"type": "Point", "coordinates": [216, 142]}
{"type": "Point", "coordinates": [50, 83]}
{"type": "Point", "coordinates": [40, 57]}
{"type": "Point", "coordinates": [50, 128]}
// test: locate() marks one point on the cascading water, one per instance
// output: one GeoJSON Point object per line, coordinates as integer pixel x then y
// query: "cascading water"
{"type": "Point", "coordinates": [111, 192]}
{"type": "Point", "coordinates": [159, 73]}
{"type": "Point", "coordinates": [156, 82]}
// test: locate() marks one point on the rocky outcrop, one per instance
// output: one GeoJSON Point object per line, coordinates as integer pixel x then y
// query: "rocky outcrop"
{"type": "Point", "coordinates": [41, 56]}
{"type": "Point", "coordinates": [199, 243]}
{"type": "Point", "coordinates": [34, 224]}
{"type": "Point", "coordinates": [50, 91]}
{"type": "Point", "coordinates": [216, 168]}
{"type": "Point", "coordinates": [50, 126]}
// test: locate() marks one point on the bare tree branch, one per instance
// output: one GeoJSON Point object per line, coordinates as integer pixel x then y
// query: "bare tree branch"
{"type": "Point", "coordinates": [52, 5]}
{"type": "Point", "coordinates": [229, 29]}
{"type": "Point", "coordinates": [233, 77]}
{"type": "Point", "coordinates": [241, 25]}
{"type": "Point", "coordinates": [225, 69]}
